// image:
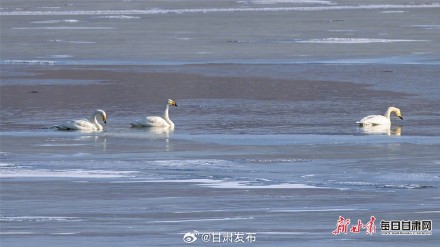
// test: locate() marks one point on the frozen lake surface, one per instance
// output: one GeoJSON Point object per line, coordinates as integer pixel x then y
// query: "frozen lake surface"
{"type": "Point", "coordinates": [265, 143]}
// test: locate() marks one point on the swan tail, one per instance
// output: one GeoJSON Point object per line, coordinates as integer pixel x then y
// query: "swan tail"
{"type": "Point", "coordinates": [364, 124]}
{"type": "Point", "coordinates": [59, 127]}
{"type": "Point", "coordinates": [137, 125]}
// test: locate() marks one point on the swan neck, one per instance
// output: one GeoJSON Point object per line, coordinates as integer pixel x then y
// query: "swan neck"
{"type": "Point", "coordinates": [167, 117]}
{"type": "Point", "coordinates": [388, 113]}
{"type": "Point", "coordinates": [165, 114]}
{"type": "Point", "coordinates": [95, 121]}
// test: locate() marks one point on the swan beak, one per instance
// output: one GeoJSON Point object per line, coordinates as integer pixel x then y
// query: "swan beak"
{"type": "Point", "coordinates": [172, 102]}
{"type": "Point", "coordinates": [104, 120]}
{"type": "Point", "coordinates": [400, 117]}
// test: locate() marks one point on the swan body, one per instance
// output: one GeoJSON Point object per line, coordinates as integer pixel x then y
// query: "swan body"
{"type": "Point", "coordinates": [156, 121]}
{"type": "Point", "coordinates": [85, 124]}
{"type": "Point", "coordinates": [374, 120]}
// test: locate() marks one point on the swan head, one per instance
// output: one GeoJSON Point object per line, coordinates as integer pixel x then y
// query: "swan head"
{"type": "Point", "coordinates": [171, 102]}
{"type": "Point", "coordinates": [397, 112]}
{"type": "Point", "coordinates": [102, 114]}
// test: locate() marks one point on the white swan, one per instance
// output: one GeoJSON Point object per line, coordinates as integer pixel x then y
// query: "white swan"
{"type": "Point", "coordinates": [84, 124]}
{"type": "Point", "coordinates": [373, 120]}
{"type": "Point", "coordinates": [155, 121]}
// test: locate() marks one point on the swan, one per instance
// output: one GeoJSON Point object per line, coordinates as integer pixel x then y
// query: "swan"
{"type": "Point", "coordinates": [155, 121]}
{"type": "Point", "coordinates": [373, 120]}
{"type": "Point", "coordinates": [84, 124]}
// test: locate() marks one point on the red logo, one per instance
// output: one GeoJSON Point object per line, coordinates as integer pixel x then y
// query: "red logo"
{"type": "Point", "coordinates": [343, 226]}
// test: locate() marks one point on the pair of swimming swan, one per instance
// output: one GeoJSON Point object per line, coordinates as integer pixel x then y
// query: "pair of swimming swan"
{"type": "Point", "coordinates": [165, 121]}
{"type": "Point", "coordinates": [93, 124]}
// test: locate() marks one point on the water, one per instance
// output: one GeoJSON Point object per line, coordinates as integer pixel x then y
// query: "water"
{"type": "Point", "coordinates": [268, 93]}
{"type": "Point", "coordinates": [246, 31]}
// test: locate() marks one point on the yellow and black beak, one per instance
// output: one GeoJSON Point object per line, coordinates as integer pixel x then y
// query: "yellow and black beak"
{"type": "Point", "coordinates": [172, 102]}
{"type": "Point", "coordinates": [104, 119]}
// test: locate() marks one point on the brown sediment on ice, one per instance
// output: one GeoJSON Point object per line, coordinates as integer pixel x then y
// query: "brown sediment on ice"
{"type": "Point", "coordinates": [121, 86]}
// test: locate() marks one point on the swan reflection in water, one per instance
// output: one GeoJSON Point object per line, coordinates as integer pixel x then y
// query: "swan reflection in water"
{"type": "Point", "coordinates": [164, 131]}
{"type": "Point", "coordinates": [95, 140]}
{"type": "Point", "coordinates": [382, 130]}
{"type": "Point", "coordinates": [161, 133]}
